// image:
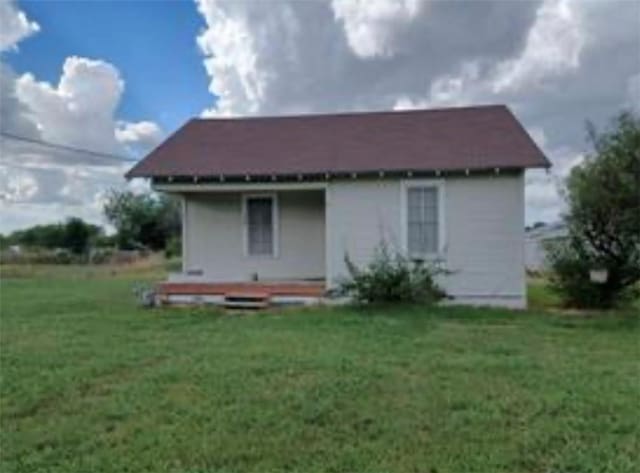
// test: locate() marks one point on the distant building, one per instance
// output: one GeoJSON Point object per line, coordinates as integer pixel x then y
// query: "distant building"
{"type": "Point", "coordinates": [535, 254]}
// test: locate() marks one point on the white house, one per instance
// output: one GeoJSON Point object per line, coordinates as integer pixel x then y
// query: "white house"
{"type": "Point", "coordinates": [275, 203]}
{"type": "Point", "coordinates": [536, 241]}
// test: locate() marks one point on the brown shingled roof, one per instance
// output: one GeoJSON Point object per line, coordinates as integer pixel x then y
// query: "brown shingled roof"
{"type": "Point", "coordinates": [453, 139]}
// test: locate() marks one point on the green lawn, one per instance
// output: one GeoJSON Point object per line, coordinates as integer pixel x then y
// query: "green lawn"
{"type": "Point", "coordinates": [91, 383]}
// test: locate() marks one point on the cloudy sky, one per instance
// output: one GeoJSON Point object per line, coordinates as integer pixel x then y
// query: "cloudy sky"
{"type": "Point", "coordinates": [117, 77]}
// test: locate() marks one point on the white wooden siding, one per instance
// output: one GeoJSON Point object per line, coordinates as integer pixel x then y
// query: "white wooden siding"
{"type": "Point", "coordinates": [214, 242]}
{"type": "Point", "coordinates": [484, 232]}
{"type": "Point", "coordinates": [360, 214]}
{"type": "Point", "coordinates": [485, 239]}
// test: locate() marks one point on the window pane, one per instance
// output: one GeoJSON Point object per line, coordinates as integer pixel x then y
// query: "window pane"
{"type": "Point", "coordinates": [422, 220]}
{"type": "Point", "coordinates": [260, 225]}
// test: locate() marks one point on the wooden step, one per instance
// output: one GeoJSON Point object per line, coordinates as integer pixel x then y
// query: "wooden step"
{"type": "Point", "coordinates": [246, 300]}
{"type": "Point", "coordinates": [273, 288]}
{"type": "Point", "coordinates": [245, 305]}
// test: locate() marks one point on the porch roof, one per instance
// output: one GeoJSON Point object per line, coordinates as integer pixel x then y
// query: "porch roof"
{"type": "Point", "coordinates": [453, 139]}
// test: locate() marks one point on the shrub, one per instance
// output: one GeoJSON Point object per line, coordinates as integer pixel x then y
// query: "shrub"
{"type": "Point", "coordinates": [173, 248]}
{"type": "Point", "coordinates": [101, 255]}
{"type": "Point", "coordinates": [391, 278]}
{"type": "Point", "coordinates": [63, 256]}
{"type": "Point", "coordinates": [38, 256]}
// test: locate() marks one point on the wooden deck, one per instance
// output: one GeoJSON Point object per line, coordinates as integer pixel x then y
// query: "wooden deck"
{"type": "Point", "coordinates": [251, 289]}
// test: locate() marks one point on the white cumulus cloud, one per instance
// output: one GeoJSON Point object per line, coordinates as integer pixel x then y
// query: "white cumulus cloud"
{"type": "Point", "coordinates": [553, 46]}
{"type": "Point", "coordinates": [556, 63]}
{"type": "Point", "coordinates": [78, 110]}
{"type": "Point", "coordinates": [372, 26]}
{"type": "Point", "coordinates": [42, 184]}
{"type": "Point", "coordinates": [143, 133]}
{"type": "Point", "coordinates": [14, 25]}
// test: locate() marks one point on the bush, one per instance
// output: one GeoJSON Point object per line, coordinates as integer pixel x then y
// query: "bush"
{"type": "Point", "coordinates": [571, 279]}
{"type": "Point", "coordinates": [173, 248]}
{"type": "Point", "coordinates": [101, 255]}
{"type": "Point", "coordinates": [391, 278]}
{"type": "Point", "coordinates": [40, 256]}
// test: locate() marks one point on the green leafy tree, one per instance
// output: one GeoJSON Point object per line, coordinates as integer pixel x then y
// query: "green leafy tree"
{"type": "Point", "coordinates": [74, 235]}
{"type": "Point", "coordinates": [147, 220]}
{"type": "Point", "coordinates": [78, 235]}
{"type": "Point", "coordinates": [41, 236]}
{"type": "Point", "coordinates": [603, 196]}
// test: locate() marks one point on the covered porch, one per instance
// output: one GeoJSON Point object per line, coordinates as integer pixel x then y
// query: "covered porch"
{"type": "Point", "coordinates": [250, 245]}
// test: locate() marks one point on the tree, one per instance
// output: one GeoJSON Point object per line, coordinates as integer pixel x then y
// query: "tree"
{"type": "Point", "coordinates": [78, 234]}
{"type": "Point", "coordinates": [42, 236]}
{"type": "Point", "coordinates": [603, 219]}
{"type": "Point", "coordinates": [148, 220]}
{"type": "Point", "coordinates": [74, 234]}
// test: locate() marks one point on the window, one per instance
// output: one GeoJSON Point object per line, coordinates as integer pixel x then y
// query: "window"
{"type": "Point", "coordinates": [423, 220]}
{"type": "Point", "coordinates": [260, 223]}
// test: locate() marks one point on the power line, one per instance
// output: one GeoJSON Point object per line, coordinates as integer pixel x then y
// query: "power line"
{"type": "Point", "coordinates": [102, 178]}
{"type": "Point", "coordinates": [113, 157]}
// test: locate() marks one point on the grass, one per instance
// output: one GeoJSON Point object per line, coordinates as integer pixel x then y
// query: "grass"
{"type": "Point", "coordinates": [92, 383]}
{"type": "Point", "coordinates": [153, 268]}
{"type": "Point", "coordinates": [540, 296]}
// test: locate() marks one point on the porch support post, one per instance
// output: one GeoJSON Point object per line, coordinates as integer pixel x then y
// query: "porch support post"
{"type": "Point", "coordinates": [328, 272]}
{"type": "Point", "coordinates": [184, 233]}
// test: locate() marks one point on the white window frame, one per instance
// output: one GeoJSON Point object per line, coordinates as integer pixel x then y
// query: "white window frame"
{"type": "Point", "coordinates": [275, 211]}
{"type": "Point", "coordinates": [438, 184]}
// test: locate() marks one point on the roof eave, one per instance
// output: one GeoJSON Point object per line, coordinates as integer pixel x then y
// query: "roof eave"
{"type": "Point", "coordinates": [338, 174]}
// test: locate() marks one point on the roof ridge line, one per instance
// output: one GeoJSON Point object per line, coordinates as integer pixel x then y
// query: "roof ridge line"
{"type": "Point", "coordinates": [352, 113]}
